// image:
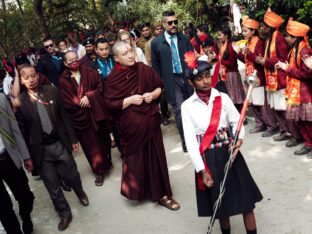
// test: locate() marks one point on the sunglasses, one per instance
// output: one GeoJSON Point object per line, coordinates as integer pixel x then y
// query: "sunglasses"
{"type": "Point", "coordinates": [175, 22]}
{"type": "Point", "coordinates": [47, 46]}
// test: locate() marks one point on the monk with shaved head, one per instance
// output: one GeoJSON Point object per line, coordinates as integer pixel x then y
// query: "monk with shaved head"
{"type": "Point", "coordinates": [132, 92]}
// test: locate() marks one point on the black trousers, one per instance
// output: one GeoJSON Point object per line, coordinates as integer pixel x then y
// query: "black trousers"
{"type": "Point", "coordinates": [57, 165]}
{"type": "Point", "coordinates": [182, 93]}
{"type": "Point", "coordinates": [17, 181]}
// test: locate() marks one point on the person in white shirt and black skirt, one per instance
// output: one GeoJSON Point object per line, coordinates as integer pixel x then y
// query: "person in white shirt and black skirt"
{"type": "Point", "coordinates": [209, 122]}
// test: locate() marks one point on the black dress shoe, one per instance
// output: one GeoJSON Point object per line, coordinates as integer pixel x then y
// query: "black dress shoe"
{"type": "Point", "coordinates": [293, 143]}
{"type": "Point", "coordinates": [64, 223]}
{"type": "Point", "coordinates": [257, 130]}
{"type": "Point", "coordinates": [184, 148]}
{"type": "Point", "coordinates": [27, 225]}
{"type": "Point", "coordinates": [303, 151]}
{"type": "Point", "coordinates": [165, 121]}
{"type": "Point", "coordinates": [65, 187]}
{"type": "Point", "coordinates": [84, 199]}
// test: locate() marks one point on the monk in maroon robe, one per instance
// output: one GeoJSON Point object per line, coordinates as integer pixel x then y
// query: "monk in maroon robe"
{"type": "Point", "coordinates": [82, 93]}
{"type": "Point", "coordinates": [132, 92]}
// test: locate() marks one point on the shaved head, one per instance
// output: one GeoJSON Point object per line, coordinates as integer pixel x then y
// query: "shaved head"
{"type": "Point", "coordinates": [124, 53]}
{"type": "Point", "coordinates": [117, 46]}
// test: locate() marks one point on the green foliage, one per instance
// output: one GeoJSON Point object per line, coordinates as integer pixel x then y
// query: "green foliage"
{"type": "Point", "coordinates": [151, 10]}
{"type": "Point", "coordinates": [18, 26]}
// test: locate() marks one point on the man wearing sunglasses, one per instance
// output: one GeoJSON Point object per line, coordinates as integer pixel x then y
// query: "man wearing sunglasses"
{"type": "Point", "coordinates": [168, 51]}
{"type": "Point", "coordinates": [51, 64]}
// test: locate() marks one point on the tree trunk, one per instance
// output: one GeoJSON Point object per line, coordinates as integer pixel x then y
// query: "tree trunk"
{"type": "Point", "coordinates": [20, 7]}
{"type": "Point", "coordinates": [37, 4]}
{"type": "Point", "coordinates": [4, 43]}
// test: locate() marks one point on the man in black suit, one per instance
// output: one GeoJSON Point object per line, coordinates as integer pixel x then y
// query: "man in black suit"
{"type": "Point", "coordinates": [13, 154]}
{"type": "Point", "coordinates": [51, 64]}
{"type": "Point", "coordinates": [168, 51]}
{"type": "Point", "coordinates": [50, 137]}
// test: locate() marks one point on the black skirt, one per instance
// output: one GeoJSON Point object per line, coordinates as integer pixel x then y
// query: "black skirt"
{"type": "Point", "coordinates": [241, 191]}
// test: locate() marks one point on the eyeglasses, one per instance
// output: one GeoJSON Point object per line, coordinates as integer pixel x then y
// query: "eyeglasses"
{"type": "Point", "coordinates": [175, 22]}
{"type": "Point", "coordinates": [47, 46]}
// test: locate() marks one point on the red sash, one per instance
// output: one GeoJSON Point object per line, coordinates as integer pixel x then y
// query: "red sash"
{"type": "Point", "coordinates": [213, 126]}
{"type": "Point", "coordinates": [209, 135]}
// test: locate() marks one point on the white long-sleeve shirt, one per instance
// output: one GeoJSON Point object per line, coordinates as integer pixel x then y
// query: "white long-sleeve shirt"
{"type": "Point", "coordinates": [196, 118]}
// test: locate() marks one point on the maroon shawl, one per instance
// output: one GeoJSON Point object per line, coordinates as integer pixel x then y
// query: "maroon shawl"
{"type": "Point", "coordinates": [91, 86]}
{"type": "Point", "coordinates": [136, 123]}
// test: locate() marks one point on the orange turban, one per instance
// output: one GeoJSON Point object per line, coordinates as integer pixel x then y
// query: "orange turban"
{"type": "Point", "coordinates": [273, 20]}
{"type": "Point", "coordinates": [251, 23]}
{"type": "Point", "coordinates": [297, 29]}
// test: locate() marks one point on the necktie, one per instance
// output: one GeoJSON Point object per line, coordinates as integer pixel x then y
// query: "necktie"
{"type": "Point", "coordinates": [45, 119]}
{"type": "Point", "coordinates": [175, 56]}
{"type": "Point", "coordinates": [56, 61]}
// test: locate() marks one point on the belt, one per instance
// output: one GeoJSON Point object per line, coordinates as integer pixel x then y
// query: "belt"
{"type": "Point", "coordinates": [177, 74]}
{"type": "Point", "coordinates": [49, 141]}
{"type": "Point", "coordinates": [3, 155]}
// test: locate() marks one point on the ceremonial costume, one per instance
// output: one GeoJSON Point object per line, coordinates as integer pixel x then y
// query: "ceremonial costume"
{"type": "Point", "coordinates": [144, 166]}
{"type": "Point", "coordinates": [276, 49]}
{"type": "Point", "coordinates": [299, 83]}
{"type": "Point", "coordinates": [241, 191]}
{"type": "Point", "coordinates": [258, 100]}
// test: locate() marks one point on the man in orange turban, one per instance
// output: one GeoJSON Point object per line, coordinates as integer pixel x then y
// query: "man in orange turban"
{"type": "Point", "coordinates": [276, 49]}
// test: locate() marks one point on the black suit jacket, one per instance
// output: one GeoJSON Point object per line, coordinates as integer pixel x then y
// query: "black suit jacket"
{"type": "Point", "coordinates": [47, 67]}
{"type": "Point", "coordinates": [29, 121]}
{"type": "Point", "coordinates": [162, 62]}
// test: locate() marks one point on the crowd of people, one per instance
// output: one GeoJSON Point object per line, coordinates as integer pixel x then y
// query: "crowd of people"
{"type": "Point", "coordinates": [114, 89]}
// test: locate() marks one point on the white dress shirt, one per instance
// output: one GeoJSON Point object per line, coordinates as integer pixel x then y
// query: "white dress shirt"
{"type": "Point", "coordinates": [196, 119]}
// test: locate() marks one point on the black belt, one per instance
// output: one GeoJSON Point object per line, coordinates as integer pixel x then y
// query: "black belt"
{"type": "Point", "coordinates": [50, 139]}
{"type": "Point", "coordinates": [177, 74]}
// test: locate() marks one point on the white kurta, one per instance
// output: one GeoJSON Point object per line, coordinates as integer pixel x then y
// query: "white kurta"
{"type": "Point", "coordinates": [196, 119]}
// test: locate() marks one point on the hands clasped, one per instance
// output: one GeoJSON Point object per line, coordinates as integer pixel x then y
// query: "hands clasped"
{"type": "Point", "coordinates": [138, 99]}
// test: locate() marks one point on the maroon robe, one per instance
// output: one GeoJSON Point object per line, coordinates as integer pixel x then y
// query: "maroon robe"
{"type": "Point", "coordinates": [282, 50]}
{"type": "Point", "coordinates": [303, 113]}
{"type": "Point", "coordinates": [90, 124]}
{"type": "Point", "coordinates": [145, 172]}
